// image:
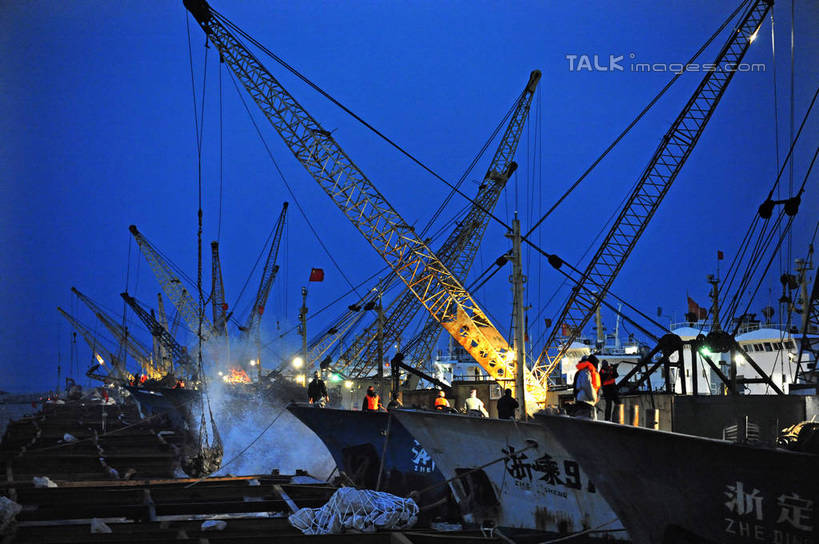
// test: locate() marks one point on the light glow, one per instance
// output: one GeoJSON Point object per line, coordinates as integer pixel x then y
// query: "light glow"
{"type": "Point", "coordinates": [753, 36]}
{"type": "Point", "coordinates": [298, 362]}
{"type": "Point", "coordinates": [236, 375]}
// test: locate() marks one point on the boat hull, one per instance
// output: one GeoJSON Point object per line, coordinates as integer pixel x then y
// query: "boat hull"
{"type": "Point", "coordinates": [540, 488]}
{"type": "Point", "coordinates": [669, 487]}
{"type": "Point", "coordinates": [356, 440]}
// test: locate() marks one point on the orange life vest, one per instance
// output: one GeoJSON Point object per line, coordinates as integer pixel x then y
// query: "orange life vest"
{"type": "Point", "coordinates": [608, 375]}
{"type": "Point", "coordinates": [441, 403]}
{"type": "Point", "coordinates": [372, 402]}
{"type": "Point", "coordinates": [593, 374]}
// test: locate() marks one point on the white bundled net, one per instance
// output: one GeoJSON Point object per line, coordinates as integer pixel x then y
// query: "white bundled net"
{"type": "Point", "coordinates": [363, 510]}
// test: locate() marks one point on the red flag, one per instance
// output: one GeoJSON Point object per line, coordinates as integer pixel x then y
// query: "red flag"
{"type": "Point", "coordinates": [720, 255]}
{"type": "Point", "coordinates": [694, 308]}
{"type": "Point", "coordinates": [317, 274]}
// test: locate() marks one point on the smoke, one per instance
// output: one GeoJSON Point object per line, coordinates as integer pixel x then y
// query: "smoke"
{"type": "Point", "coordinates": [242, 417]}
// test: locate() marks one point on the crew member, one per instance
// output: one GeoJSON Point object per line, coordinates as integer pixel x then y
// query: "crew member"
{"type": "Point", "coordinates": [372, 402]}
{"type": "Point", "coordinates": [474, 405]}
{"type": "Point", "coordinates": [317, 391]}
{"type": "Point", "coordinates": [507, 405]}
{"type": "Point", "coordinates": [440, 401]}
{"type": "Point", "coordinates": [395, 401]}
{"type": "Point", "coordinates": [586, 385]}
{"type": "Point", "coordinates": [608, 377]}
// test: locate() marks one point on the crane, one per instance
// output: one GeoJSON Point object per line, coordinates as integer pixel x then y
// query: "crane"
{"type": "Point", "coordinates": [177, 351]}
{"type": "Point", "coordinates": [252, 326]}
{"type": "Point", "coordinates": [458, 251]}
{"type": "Point", "coordinates": [217, 294]}
{"type": "Point", "coordinates": [653, 184]}
{"type": "Point", "coordinates": [101, 353]}
{"type": "Point", "coordinates": [360, 201]}
{"type": "Point", "coordinates": [268, 276]}
{"type": "Point", "coordinates": [140, 353]}
{"type": "Point", "coordinates": [172, 286]}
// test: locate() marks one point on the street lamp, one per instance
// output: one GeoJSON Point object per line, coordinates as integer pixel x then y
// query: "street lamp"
{"type": "Point", "coordinates": [298, 362]}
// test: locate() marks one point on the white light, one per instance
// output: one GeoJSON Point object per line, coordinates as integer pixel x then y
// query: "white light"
{"type": "Point", "coordinates": [252, 363]}
{"type": "Point", "coordinates": [298, 362]}
{"type": "Point", "coordinates": [221, 373]}
{"type": "Point", "coordinates": [631, 350]}
{"type": "Point", "coordinates": [753, 36]}
{"type": "Point", "coordinates": [348, 384]}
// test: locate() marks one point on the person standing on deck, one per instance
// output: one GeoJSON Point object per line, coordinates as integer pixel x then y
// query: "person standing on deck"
{"type": "Point", "coordinates": [586, 385]}
{"type": "Point", "coordinates": [372, 402]}
{"type": "Point", "coordinates": [507, 405]}
{"type": "Point", "coordinates": [440, 401]}
{"type": "Point", "coordinates": [317, 391]}
{"type": "Point", "coordinates": [608, 376]}
{"type": "Point", "coordinates": [474, 405]}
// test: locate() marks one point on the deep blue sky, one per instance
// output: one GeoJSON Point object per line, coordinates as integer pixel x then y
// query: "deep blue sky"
{"type": "Point", "coordinates": [97, 116]}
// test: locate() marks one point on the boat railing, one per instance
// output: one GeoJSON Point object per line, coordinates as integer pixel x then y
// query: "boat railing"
{"type": "Point", "coordinates": [751, 326]}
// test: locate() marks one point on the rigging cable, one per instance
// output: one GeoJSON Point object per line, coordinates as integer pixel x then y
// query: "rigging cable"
{"type": "Point", "coordinates": [636, 119]}
{"type": "Point", "coordinates": [406, 153]}
{"type": "Point", "coordinates": [786, 230]}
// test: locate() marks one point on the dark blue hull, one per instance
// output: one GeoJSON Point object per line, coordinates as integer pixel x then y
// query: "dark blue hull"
{"type": "Point", "coordinates": [356, 441]}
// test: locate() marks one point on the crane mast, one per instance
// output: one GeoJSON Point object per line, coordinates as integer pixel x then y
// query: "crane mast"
{"type": "Point", "coordinates": [459, 249]}
{"type": "Point", "coordinates": [217, 294]}
{"type": "Point", "coordinates": [655, 181]}
{"type": "Point", "coordinates": [101, 353]}
{"type": "Point", "coordinates": [172, 285]}
{"type": "Point", "coordinates": [139, 352]}
{"type": "Point", "coordinates": [367, 209]}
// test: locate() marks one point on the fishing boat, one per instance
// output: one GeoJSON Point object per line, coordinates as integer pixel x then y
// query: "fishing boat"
{"type": "Point", "coordinates": [376, 452]}
{"type": "Point", "coordinates": [511, 474]}
{"type": "Point", "coordinates": [699, 489]}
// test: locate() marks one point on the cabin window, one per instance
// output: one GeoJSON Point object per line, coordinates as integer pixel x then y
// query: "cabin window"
{"type": "Point", "coordinates": [778, 346]}
{"type": "Point", "coordinates": [758, 347]}
{"type": "Point", "coordinates": [768, 346]}
{"type": "Point", "coordinates": [788, 344]}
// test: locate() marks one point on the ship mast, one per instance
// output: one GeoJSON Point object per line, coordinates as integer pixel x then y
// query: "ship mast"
{"type": "Point", "coordinates": [519, 310]}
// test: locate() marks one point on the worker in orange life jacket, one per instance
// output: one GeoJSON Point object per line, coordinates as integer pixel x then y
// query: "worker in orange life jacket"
{"type": "Point", "coordinates": [586, 386]}
{"type": "Point", "coordinates": [608, 376]}
{"type": "Point", "coordinates": [372, 402]}
{"type": "Point", "coordinates": [440, 401]}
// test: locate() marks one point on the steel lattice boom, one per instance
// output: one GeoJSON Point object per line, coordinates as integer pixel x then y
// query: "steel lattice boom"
{"type": "Point", "coordinates": [140, 353]}
{"type": "Point", "coordinates": [457, 252]}
{"type": "Point", "coordinates": [652, 186]}
{"type": "Point", "coordinates": [268, 275]}
{"type": "Point", "coordinates": [173, 287]}
{"type": "Point", "coordinates": [363, 205]}
{"type": "Point", "coordinates": [115, 366]}
{"type": "Point", "coordinates": [217, 294]}
{"type": "Point", "coordinates": [177, 351]}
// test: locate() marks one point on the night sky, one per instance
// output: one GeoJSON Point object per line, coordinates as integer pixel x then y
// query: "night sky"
{"type": "Point", "coordinates": [97, 113]}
